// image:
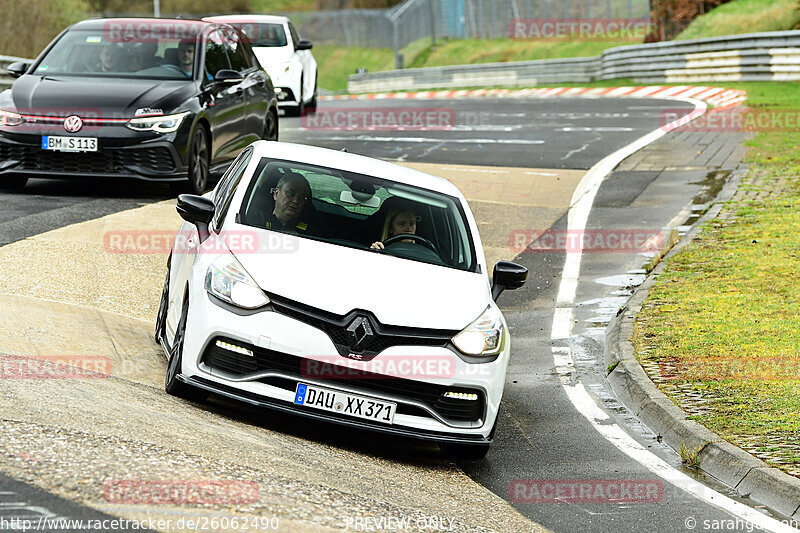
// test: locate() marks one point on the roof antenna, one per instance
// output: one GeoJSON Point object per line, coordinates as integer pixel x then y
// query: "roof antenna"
{"type": "Point", "coordinates": [345, 150]}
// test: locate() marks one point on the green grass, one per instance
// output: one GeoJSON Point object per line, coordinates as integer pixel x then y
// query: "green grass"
{"type": "Point", "coordinates": [270, 7]}
{"type": "Point", "coordinates": [336, 63]}
{"type": "Point", "coordinates": [471, 51]}
{"type": "Point", "coordinates": [744, 16]}
{"type": "Point", "coordinates": [728, 304]}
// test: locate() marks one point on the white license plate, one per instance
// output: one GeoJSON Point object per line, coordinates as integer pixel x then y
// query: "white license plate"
{"type": "Point", "coordinates": [69, 144]}
{"type": "Point", "coordinates": [344, 403]}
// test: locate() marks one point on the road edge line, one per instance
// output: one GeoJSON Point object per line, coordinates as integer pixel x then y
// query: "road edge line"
{"type": "Point", "coordinates": [584, 403]}
{"type": "Point", "coordinates": [728, 463]}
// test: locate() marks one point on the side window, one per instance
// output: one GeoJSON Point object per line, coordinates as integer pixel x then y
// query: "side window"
{"type": "Point", "coordinates": [228, 186]}
{"type": "Point", "coordinates": [216, 58]}
{"type": "Point", "coordinates": [236, 52]}
{"type": "Point", "coordinates": [295, 35]}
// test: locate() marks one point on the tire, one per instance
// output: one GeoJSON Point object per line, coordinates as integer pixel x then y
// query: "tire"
{"type": "Point", "coordinates": [161, 317]}
{"type": "Point", "coordinates": [270, 127]}
{"type": "Point", "coordinates": [198, 174]}
{"type": "Point", "coordinates": [311, 106]}
{"type": "Point", "coordinates": [172, 385]}
{"type": "Point", "coordinates": [13, 183]}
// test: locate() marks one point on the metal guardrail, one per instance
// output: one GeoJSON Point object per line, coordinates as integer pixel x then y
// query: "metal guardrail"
{"type": "Point", "coordinates": [748, 57]}
{"type": "Point", "coordinates": [5, 61]}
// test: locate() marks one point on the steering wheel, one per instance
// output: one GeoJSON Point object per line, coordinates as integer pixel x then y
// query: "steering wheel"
{"type": "Point", "coordinates": [419, 239]}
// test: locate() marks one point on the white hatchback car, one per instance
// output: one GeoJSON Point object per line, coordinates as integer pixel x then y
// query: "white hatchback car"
{"type": "Point", "coordinates": [341, 288]}
{"type": "Point", "coordinates": [284, 55]}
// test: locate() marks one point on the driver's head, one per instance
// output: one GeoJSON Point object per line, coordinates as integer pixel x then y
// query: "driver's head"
{"type": "Point", "coordinates": [290, 195]}
{"type": "Point", "coordinates": [401, 218]}
{"type": "Point", "coordinates": [110, 58]}
{"type": "Point", "coordinates": [402, 222]}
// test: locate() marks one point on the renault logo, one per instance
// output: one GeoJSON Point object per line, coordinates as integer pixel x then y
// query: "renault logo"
{"type": "Point", "coordinates": [73, 123]}
{"type": "Point", "coordinates": [359, 333]}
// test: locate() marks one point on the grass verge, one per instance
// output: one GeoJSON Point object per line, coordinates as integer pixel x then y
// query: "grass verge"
{"type": "Point", "coordinates": [720, 331]}
{"type": "Point", "coordinates": [336, 63]}
{"type": "Point", "coordinates": [744, 16]}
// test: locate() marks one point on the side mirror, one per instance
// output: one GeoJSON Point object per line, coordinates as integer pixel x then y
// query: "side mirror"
{"type": "Point", "coordinates": [507, 275]}
{"type": "Point", "coordinates": [228, 76]}
{"type": "Point", "coordinates": [198, 210]}
{"type": "Point", "coordinates": [304, 45]}
{"type": "Point", "coordinates": [17, 69]}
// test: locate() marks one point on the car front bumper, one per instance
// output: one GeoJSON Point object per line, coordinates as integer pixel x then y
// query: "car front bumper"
{"type": "Point", "coordinates": [286, 344]}
{"type": "Point", "coordinates": [152, 159]}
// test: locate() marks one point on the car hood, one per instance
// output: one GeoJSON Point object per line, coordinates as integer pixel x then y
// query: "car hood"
{"type": "Point", "coordinates": [107, 97]}
{"type": "Point", "coordinates": [272, 56]}
{"type": "Point", "coordinates": [400, 292]}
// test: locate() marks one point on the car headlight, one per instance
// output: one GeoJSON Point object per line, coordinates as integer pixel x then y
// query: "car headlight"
{"type": "Point", "coordinates": [159, 124]}
{"type": "Point", "coordinates": [227, 280]}
{"type": "Point", "coordinates": [485, 336]}
{"type": "Point", "coordinates": [7, 118]}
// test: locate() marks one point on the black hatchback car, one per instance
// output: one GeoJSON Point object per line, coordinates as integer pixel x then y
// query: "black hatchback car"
{"type": "Point", "coordinates": [154, 99]}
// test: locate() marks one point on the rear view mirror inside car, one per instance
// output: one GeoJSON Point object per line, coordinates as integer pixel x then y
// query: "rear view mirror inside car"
{"type": "Point", "coordinates": [362, 199]}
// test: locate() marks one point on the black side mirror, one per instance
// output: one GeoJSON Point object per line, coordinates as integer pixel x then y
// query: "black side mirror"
{"type": "Point", "coordinates": [197, 210]}
{"type": "Point", "coordinates": [507, 275]}
{"type": "Point", "coordinates": [304, 45]}
{"type": "Point", "coordinates": [17, 69]}
{"type": "Point", "coordinates": [226, 75]}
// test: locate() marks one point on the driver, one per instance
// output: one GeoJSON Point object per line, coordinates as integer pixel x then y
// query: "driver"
{"type": "Point", "coordinates": [400, 220]}
{"type": "Point", "coordinates": [290, 195]}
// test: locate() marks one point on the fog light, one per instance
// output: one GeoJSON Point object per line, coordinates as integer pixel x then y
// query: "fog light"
{"type": "Point", "coordinates": [461, 395]}
{"type": "Point", "coordinates": [234, 348]}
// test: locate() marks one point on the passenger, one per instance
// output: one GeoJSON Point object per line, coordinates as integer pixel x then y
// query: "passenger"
{"type": "Point", "coordinates": [186, 56]}
{"type": "Point", "coordinates": [110, 59]}
{"type": "Point", "coordinates": [399, 220]}
{"type": "Point", "coordinates": [291, 195]}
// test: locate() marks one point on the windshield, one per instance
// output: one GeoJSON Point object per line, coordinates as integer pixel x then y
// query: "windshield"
{"type": "Point", "coordinates": [94, 53]}
{"type": "Point", "coordinates": [359, 211]}
{"type": "Point", "coordinates": [263, 35]}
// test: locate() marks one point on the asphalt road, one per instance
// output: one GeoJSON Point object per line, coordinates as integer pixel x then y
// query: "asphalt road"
{"type": "Point", "coordinates": [541, 436]}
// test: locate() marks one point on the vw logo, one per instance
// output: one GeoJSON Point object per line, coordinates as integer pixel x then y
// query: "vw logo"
{"type": "Point", "coordinates": [359, 332]}
{"type": "Point", "coordinates": [73, 123]}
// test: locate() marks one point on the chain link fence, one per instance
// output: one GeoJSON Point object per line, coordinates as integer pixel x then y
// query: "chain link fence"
{"type": "Point", "coordinates": [413, 20]}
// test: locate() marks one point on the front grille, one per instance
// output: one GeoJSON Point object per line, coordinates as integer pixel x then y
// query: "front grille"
{"type": "Point", "coordinates": [109, 161]}
{"type": "Point", "coordinates": [263, 359]}
{"type": "Point", "coordinates": [335, 326]}
{"type": "Point", "coordinates": [158, 159]}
